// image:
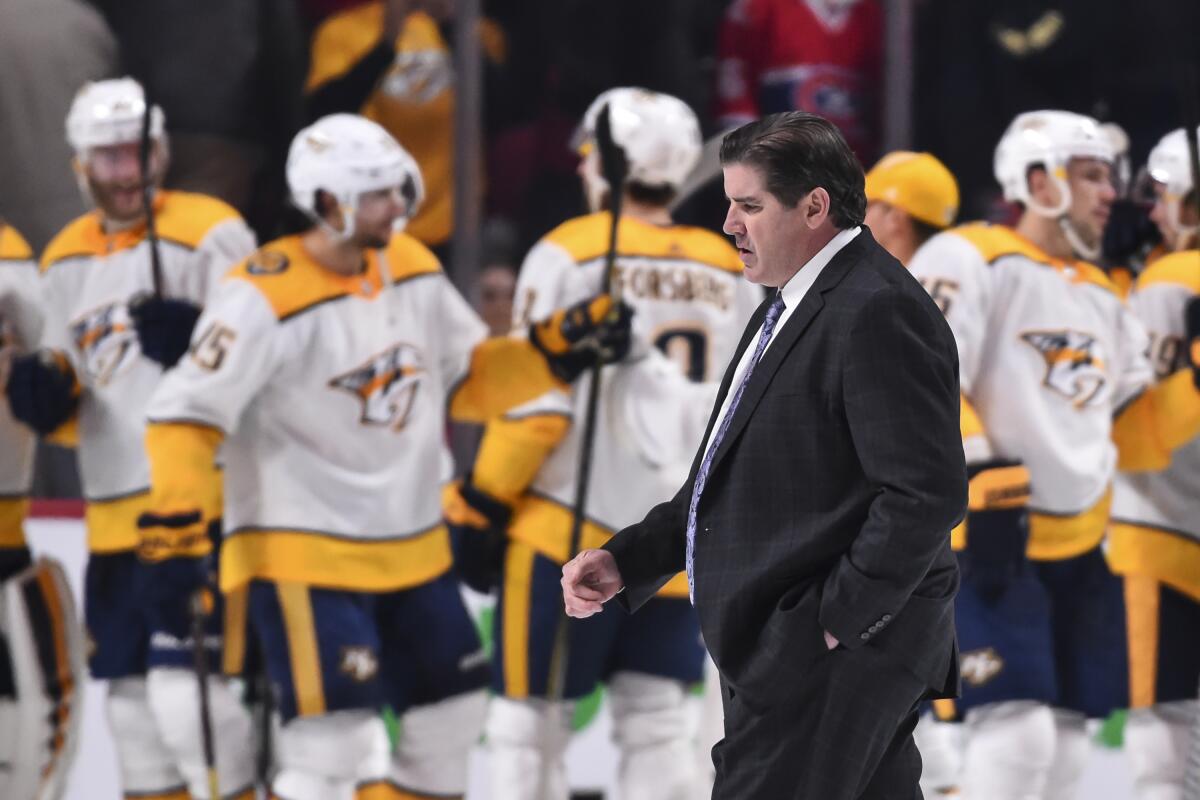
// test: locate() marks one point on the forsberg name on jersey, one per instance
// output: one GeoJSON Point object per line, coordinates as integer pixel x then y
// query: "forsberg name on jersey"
{"type": "Point", "coordinates": [1074, 367]}
{"type": "Point", "coordinates": [107, 340]}
{"type": "Point", "coordinates": [687, 285]}
{"type": "Point", "coordinates": [387, 385]}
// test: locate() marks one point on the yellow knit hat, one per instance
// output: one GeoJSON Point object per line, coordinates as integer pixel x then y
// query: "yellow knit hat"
{"type": "Point", "coordinates": [917, 183]}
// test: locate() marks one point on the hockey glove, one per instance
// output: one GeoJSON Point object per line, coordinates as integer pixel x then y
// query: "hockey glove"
{"type": "Point", "coordinates": [997, 526]}
{"type": "Point", "coordinates": [164, 327]}
{"type": "Point", "coordinates": [478, 526]}
{"type": "Point", "coordinates": [573, 339]}
{"type": "Point", "coordinates": [1192, 331]}
{"type": "Point", "coordinates": [42, 391]}
{"type": "Point", "coordinates": [169, 583]}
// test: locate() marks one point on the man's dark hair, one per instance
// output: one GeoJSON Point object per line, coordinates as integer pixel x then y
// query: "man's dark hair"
{"type": "Point", "coordinates": [797, 152]}
{"type": "Point", "coordinates": [650, 194]}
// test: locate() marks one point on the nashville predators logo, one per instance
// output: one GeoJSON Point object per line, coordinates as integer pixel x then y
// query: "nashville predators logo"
{"type": "Point", "coordinates": [107, 339]}
{"type": "Point", "coordinates": [387, 385]}
{"type": "Point", "coordinates": [978, 667]}
{"type": "Point", "coordinates": [1074, 367]}
{"type": "Point", "coordinates": [418, 76]}
{"type": "Point", "coordinates": [359, 662]}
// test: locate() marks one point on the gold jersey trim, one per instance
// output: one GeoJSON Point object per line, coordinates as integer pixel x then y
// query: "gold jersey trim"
{"type": "Point", "coordinates": [112, 524]}
{"type": "Point", "coordinates": [317, 558]}
{"type": "Point", "coordinates": [1172, 557]}
{"type": "Point", "coordinates": [1053, 537]}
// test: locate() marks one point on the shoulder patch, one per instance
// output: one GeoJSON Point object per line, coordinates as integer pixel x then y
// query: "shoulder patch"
{"type": "Point", "coordinates": [13, 246]}
{"type": "Point", "coordinates": [267, 262]}
{"type": "Point", "coordinates": [1180, 269]}
{"type": "Point", "coordinates": [298, 285]}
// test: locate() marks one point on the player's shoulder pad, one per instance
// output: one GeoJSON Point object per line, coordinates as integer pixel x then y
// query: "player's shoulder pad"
{"type": "Point", "coordinates": [289, 279]}
{"type": "Point", "coordinates": [1094, 275]}
{"type": "Point", "coordinates": [13, 246]}
{"type": "Point", "coordinates": [586, 239]}
{"type": "Point", "coordinates": [82, 237]}
{"type": "Point", "coordinates": [407, 257]}
{"type": "Point", "coordinates": [706, 247]}
{"type": "Point", "coordinates": [1177, 269]}
{"type": "Point", "coordinates": [582, 237]}
{"type": "Point", "coordinates": [186, 218]}
{"type": "Point", "coordinates": [996, 241]}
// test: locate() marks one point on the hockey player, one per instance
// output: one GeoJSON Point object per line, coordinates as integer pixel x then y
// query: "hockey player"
{"type": "Point", "coordinates": [41, 650]}
{"type": "Point", "coordinates": [1055, 367]}
{"type": "Point", "coordinates": [326, 364]}
{"type": "Point", "coordinates": [106, 341]}
{"type": "Point", "coordinates": [1154, 539]}
{"type": "Point", "coordinates": [691, 304]}
{"type": "Point", "coordinates": [910, 198]}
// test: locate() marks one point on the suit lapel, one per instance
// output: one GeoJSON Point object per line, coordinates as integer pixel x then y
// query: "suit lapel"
{"type": "Point", "coordinates": [783, 341]}
{"type": "Point", "coordinates": [748, 336]}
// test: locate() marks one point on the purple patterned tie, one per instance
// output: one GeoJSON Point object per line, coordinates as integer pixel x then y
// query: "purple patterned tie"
{"type": "Point", "coordinates": [768, 327]}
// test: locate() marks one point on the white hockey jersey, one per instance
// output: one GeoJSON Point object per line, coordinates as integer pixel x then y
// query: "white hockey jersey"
{"type": "Point", "coordinates": [332, 393]}
{"type": "Point", "coordinates": [1048, 355]}
{"type": "Point", "coordinates": [89, 278]}
{"type": "Point", "coordinates": [691, 303]}
{"type": "Point", "coordinates": [1155, 527]}
{"type": "Point", "coordinates": [20, 325]}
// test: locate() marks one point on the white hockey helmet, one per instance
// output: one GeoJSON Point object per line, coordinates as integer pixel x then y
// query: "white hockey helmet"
{"type": "Point", "coordinates": [658, 133]}
{"type": "Point", "coordinates": [1048, 139]}
{"type": "Point", "coordinates": [347, 155]}
{"type": "Point", "coordinates": [110, 112]}
{"type": "Point", "coordinates": [1170, 165]}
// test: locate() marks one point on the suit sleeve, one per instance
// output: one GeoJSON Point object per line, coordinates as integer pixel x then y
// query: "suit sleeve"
{"type": "Point", "coordinates": [652, 552]}
{"type": "Point", "coordinates": [902, 407]}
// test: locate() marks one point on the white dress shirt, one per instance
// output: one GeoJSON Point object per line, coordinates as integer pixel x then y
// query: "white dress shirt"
{"type": "Point", "coordinates": [793, 292]}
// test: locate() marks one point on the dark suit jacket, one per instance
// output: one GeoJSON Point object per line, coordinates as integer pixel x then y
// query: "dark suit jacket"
{"type": "Point", "coordinates": [830, 501]}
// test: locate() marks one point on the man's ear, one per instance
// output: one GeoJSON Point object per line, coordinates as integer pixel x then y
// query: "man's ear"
{"type": "Point", "coordinates": [1039, 183]}
{"type": "Point", "coordinates": [329, 210]}
{"type": "Point", "coordinates": [816, 208]}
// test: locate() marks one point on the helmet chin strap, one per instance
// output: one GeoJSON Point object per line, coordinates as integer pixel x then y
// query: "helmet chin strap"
{"type": "Point", "coordinates": [1088, 252]}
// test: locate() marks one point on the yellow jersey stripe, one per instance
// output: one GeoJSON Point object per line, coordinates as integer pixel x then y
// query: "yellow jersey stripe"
{"type": "Point", "coordinates": [518, 591]}
{"type": "Point", "coordinates": [305, 658]}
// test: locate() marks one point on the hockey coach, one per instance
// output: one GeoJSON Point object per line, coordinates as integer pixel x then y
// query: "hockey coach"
{"type": "Point", "coordinates": [815, 524]}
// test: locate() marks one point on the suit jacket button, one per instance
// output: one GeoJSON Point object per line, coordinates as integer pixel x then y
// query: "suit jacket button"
{"type": "Point", "coordinates": [864, 636]}
{"type": "Point", "coordinates": [874, 628]}
{"type": "Point", "coordinates": [887, 617]}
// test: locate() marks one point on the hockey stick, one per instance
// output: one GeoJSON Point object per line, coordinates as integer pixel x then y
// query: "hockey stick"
{"type": "Point", "coordinates": [201, 607]}
{"type": "Point", "coordinates": [613, 167]}
{"type": "Point", "coordinates": [148, 195]}
{"type": "Point", "coordinates": [707, 168]}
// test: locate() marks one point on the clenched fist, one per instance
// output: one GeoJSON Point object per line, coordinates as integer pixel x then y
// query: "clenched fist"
{"type": "Point", "coordinates": [589, 580]}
